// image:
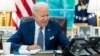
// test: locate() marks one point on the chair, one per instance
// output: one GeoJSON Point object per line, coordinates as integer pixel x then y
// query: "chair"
{"type": "Point", "coordinates": [62, 21]}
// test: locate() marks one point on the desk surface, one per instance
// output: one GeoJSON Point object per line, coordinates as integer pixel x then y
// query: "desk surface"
{"type": "Point", "coordinates": [39, 53]}
{"type": "Point", "coordinates": [28, 55]}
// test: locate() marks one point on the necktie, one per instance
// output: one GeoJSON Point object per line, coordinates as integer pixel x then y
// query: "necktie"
{"type": "Point", "coordinates": [40, 38]}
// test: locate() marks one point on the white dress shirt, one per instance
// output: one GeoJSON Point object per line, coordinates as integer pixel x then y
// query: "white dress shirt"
{"type": "Point", "coordinates": [37, 29]}
{"type": "Point", "coordinates": [24, 47]}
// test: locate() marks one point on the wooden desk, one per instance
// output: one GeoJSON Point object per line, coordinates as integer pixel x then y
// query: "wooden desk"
{"type": "Point", "coordinates": [40, 53]}
{"type": "Point", "coordinates": [95, 55]}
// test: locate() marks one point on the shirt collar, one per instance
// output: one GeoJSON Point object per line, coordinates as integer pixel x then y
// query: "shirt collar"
{"type": "Point", "coordinates": [37, 26]}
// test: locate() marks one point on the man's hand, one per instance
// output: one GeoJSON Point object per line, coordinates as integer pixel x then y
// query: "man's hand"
{"type": "Point", "coordinates": [33, 47]}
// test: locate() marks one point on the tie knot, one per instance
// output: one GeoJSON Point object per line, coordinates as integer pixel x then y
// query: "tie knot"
{"type": "Point", "coordinates": [41, 28]}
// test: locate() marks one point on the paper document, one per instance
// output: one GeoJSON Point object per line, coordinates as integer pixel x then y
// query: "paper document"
{"type": "Point", "coordinates": [58, 51]}
{"type": "Point", "coordinates": [29, 52]}
{"type": "Point", "coordinates": [46, 51]}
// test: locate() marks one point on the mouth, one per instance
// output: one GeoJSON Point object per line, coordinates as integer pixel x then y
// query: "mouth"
{"type": "Point", "coordinates": [44, 21]}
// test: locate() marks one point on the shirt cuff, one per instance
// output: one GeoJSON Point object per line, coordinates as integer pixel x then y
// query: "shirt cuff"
{"type": "Point", "coordinates": [23, 49]}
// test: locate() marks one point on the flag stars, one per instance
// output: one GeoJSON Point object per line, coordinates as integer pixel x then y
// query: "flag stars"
{"type": "Point", "coordinates": [79, 8]}
{"type": "Point", "coordinates": [91, 15]}
{"type": "Point", "coordinates": [84, 18]}
{"type": "Point", "coordinates": [76, 17]}
{"type": "Point", "coordinates": [80, 18]}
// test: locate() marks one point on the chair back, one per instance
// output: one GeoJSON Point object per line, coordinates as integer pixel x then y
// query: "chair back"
{"type": "Point", "coordinates": [62, 21]}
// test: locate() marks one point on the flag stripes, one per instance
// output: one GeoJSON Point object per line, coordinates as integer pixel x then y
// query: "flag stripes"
{"type": "Point", "coordinates": [24, 9]}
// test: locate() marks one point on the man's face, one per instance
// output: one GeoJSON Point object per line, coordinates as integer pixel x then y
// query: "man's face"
{"type": "Point", "coordinates": [41, 16]}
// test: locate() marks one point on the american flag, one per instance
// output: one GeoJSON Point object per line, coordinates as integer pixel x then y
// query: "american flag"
{"type": "Point", "coordinates": [24, 9]}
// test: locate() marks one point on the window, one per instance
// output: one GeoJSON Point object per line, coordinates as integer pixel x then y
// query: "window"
{"type": "Point", "coordinates": [62, 8]}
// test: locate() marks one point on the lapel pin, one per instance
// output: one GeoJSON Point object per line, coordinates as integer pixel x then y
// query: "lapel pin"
{"type": "Point", "coordinates": [48, 29]}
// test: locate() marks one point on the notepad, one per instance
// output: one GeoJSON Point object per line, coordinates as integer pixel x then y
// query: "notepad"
{"type": "Point", "coordinates": [29, 52]}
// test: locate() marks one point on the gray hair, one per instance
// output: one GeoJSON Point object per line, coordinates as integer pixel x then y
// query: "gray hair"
{"type": "Point", "coordinates": [37, 5]}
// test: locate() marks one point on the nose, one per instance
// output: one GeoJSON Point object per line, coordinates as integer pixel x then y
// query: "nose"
{"type": "Point", "coordinates": [46, 18]}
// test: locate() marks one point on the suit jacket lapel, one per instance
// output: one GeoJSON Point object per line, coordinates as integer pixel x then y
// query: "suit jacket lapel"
{"type": "Point", "coordinates": [47, 35]}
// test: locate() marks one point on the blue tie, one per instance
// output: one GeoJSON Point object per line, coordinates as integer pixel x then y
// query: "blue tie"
{"type": "Point", "coordinates": [40, 38]}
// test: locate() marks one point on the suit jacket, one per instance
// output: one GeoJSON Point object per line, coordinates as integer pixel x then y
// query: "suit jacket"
{"type": "Point", "coordinates": [25, 35]}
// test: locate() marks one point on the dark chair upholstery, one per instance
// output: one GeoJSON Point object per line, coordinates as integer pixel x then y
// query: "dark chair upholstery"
{"type": "Point", "coordinates": [62, 21]}
{"type": "Point", "coordinates": [26, 19]}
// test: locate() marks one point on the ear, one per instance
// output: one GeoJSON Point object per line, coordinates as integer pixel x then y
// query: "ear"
{"type": "Point", "coordinates": [33, 15]}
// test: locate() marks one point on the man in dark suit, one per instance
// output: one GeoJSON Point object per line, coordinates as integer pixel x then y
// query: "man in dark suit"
{"type": "Point", "coordinates": [29, 31]}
